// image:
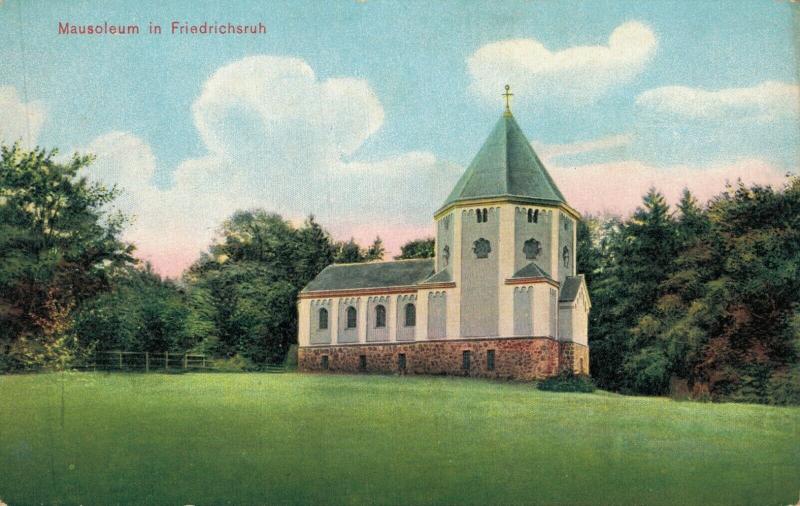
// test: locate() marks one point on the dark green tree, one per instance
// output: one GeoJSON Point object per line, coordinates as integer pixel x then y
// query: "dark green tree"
{"type": "Point", "coordinates": [58, 247]}
{"type": "Point", "coordinates": [641, 252]}
{"type": "Point", "coordinates": [315, 251]}
{"type": "Point", "coordinates": [418, 248]}
{"type": "Point", "coordinates": [375, 250]}
{"type": "Point", "coordinates": [251, 276]}
{"type": "Point", "coordinates": [349, 252]}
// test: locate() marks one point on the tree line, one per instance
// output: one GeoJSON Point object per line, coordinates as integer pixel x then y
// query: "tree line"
{"type": "Point", "coordinates": [704, 296]}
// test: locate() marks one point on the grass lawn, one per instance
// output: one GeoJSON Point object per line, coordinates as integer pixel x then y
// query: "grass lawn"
{"type": "Point", "coordinates": [311, 439]}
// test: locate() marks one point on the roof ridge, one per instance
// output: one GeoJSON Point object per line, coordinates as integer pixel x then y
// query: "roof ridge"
{"type": "Point", "coordinates": [377, 262]}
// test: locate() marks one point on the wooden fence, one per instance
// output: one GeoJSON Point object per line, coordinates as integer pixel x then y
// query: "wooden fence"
{"type": "Point", "coordinates": [168, 361]}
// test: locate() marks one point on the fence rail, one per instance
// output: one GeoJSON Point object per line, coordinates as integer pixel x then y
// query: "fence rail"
{"type": "Point", "coordinates": [144, 361]}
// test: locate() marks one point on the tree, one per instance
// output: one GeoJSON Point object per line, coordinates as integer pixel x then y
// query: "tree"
{"type": "Point", "coordinates": [418, 248]}
{"type": "Point", "coordinates": [315, 251]}
{"type": "Point", "coordinates": [587, 257]}
{"type": "Point", "coordinates": [247, 282]}
{"type": "Point", "coordinates": [349, 252]}
{"type": "Point", "coordinates": [143, 312]}
{"type": "Point", "coordinates": [710, 295]}
{"type": "Point", "coordinates": [747, 312]}
{"type": "Point", "coordinates": [375, 251]}
{"type": "Point", "coordinates": [639, 258]}
{"type": "Point", "coordinates": [59, 245]}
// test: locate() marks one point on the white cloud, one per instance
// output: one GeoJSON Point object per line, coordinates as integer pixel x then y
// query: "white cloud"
{"type": "Point", "coordinates": [580, 74]}
{"type": "Point", "coordinates": [278, 138]}
{"type": "Point", "coordinates": [764, 102]}
{"type": "Point", "coordinates": [618, 186]}
{"type": "Point", "coordinates": [553, 151]}
{"type": "Point", "coordinates": [19, 120]}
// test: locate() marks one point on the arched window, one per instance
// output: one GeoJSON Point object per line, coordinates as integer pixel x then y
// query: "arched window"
{"type": "Point", "coordinates": [485, 217]}
{"type": "Point", "coordinates": [351, 317]}
{"type": "Point", "coordinates": [565, 256]}
{"type": "Point", "coordinates": [323, 318]}
{"type": "Point", "coordinates": [530, 215]}
{"type": "Point", "coordinates": [380, 316]}
{"type": "Point", "coordinates": [479, 216]}
{"type": "Point", "coordinates": [411, 315]}
{"type": "Point", "coordinates": [446, 255]}
{"type": "Point", "coordinates": [536, 216]}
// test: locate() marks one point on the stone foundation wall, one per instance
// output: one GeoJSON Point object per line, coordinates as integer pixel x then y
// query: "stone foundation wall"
{"type": "Point", "coordinates": [514, 358]}
{"type": "Point", "coordinates": [574, 357]}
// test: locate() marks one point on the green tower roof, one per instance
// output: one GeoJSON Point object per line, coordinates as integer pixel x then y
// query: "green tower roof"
{"type": "Point", "coordinates": [506, 166]}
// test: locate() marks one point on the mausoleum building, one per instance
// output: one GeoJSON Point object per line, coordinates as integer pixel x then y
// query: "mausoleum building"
{"type": "Point", "coordinates": [501, 298]}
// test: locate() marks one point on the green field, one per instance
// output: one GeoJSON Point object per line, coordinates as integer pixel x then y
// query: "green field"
{"type": "Point", "coordinates": [309, 439]}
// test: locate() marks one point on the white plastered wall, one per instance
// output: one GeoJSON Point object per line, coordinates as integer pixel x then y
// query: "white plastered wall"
{"type": "Point", "coordinates": [541, 310]}
{"type": "Point", "coordinates": [505, 270]}
{"type": "Point", "coordinates": [303, 318]}
{"type": "Point", "coordinates": [573, 319]}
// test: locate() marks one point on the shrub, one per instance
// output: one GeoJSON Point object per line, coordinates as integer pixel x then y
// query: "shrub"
{"type": "Point", "coordinates": [291, 357]}
{"type": "Point", "coordinates": [567, 382]}
{"type": "Point", "coordinates": [784, 387]}
{"type": "Point", "coordinates": [236, 363]}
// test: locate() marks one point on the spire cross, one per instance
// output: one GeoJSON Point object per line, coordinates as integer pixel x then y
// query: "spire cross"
{"type": "Point", "coordinates": [507, 95]}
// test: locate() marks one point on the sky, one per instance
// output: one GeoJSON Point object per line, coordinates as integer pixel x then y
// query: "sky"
{"type": "Point", "coordinates": [365, 113]}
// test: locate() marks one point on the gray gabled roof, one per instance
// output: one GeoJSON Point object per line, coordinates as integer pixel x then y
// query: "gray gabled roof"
{"type": "Point", "coordinates": [531, 271]}
{"type": "Point", "coordinates": [371, 275]}
{"type": "Point", "coordinates": [570, 288]}
{"type": "Point", "coordinates": [506, 166]}
{"type": "Point", "coordinates": [443, 276]}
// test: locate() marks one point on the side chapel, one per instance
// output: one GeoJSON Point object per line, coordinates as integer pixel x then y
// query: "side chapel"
{"type": "Point", "coordinates": [501, 298]}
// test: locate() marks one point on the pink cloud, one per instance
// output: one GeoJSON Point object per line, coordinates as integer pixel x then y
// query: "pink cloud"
{"type": "Point", "coordinates": [618, 187]}
{"type": "Point", "coordinates": [169, 262]}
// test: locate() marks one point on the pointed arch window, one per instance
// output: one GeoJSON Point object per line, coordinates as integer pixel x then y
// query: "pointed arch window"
{"type": "Point", "coordinates": [380, 316]}
{"type": "Point", "coordinates": [565, 256]}
{"type": "Point", "coordinates": [351, 317]}
{"type": "Point", "coordinates": [323, 318]}
{"type": "Point", "coordinates": [411, 315]}
{"type": "Point", "coordinates": [446, 255]}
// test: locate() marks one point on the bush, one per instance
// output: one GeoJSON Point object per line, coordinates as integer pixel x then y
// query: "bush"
{"type": "Point", "coordinates": [236, 363]}
{"type": "Point", "coordinates": [784, 387]}
{"type": "Point", "coordinates": [7, 362]}
{"type": "Point", "coordinates": [291, 357]}
{"type": "Point", "coordinates": [567, 382]}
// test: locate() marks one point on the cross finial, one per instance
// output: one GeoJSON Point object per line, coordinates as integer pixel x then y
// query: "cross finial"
{"type": "Point", "coordinates": [507, 95]}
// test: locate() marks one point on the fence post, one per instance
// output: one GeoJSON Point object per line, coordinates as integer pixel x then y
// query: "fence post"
{"type": "Point", "coordinates": [146, 362]}
{"type": "Point", "coordinates": [166, 360]}
{"type": "Point", "coordinates": [120, 361]}
{"type": "Point", "coordinates": [204, 361]}
{"type": "Point", "coordinates": [185, 361]}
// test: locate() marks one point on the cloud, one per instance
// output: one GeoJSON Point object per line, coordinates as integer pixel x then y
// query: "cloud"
{"type": "Point", "coordinates": [618, 187]}
{"type": "Point", "coordinates": [580, 74]}
{"type": "Point", "coordinates": [765, 102]}
{"type": "Point", "coordinates": [277, 137]}
{"type": "Point", "coordinates": [19, 120]}
{"type": "Point", "coordinates": [553, 151]}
